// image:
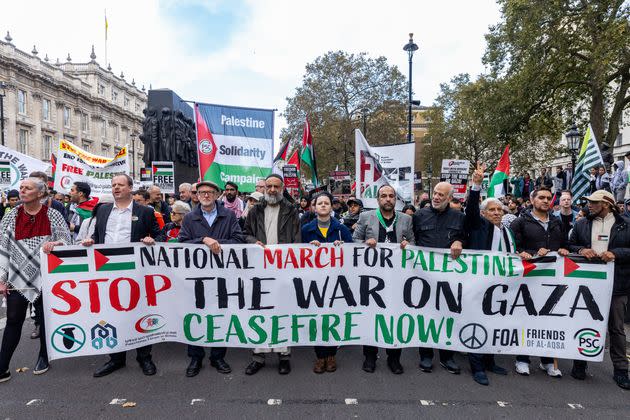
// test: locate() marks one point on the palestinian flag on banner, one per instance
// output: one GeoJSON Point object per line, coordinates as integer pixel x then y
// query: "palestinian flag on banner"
{"type": "Point", "coordinates": [540, 267]}
{"type": "Point", "coordinates": [501, 173]}
{"type": "Point", "coordinates": [85, 209]}
{"type": "Point", "coordinates": [71, 261]}
{"type": "Point", "coordinates": [5, 167]}
{"type": "Point", "coordinates": [162, 169]}
{"type": "Point", "coordinates": [114, 259]}
{"type": "Point", "coordinates": [594, 270]}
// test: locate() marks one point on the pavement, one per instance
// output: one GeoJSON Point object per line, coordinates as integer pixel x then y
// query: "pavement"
{"type": "Point", "coordinates": [69, 391]}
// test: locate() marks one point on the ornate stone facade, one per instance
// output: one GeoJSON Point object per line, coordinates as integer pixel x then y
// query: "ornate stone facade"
{"type": "Point", "coordinates": [80, 102]}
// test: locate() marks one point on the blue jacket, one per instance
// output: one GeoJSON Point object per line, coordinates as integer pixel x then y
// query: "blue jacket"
{"type": "Point", "coordinates": [336, 231]}
{"type": "Point", "coordinates": [225, 228]}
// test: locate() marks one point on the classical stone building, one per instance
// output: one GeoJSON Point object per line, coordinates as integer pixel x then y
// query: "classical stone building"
{"type": "Point", "coordinates": [80, 102]}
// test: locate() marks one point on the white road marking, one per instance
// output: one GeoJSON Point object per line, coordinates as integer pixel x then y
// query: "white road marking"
{"type": "Point", "coordinates": [3, 323]}
{"type": "Point", "coordinates": [197, 401]}
{"type": "Point", "coordinates": [34, 402]}
{"type": "Point", "coordinates": [272, 401]}
{"type": "Point", "coordinates": [117, 401]}
{"type": "Point", "coordinates": [427, 402]}
{"type": "Point", "coordinates": [352, 401]}
{"type": "Point", "coordinates": [504, 404]}
{"type": "Point", "coordinates": [576, 406]}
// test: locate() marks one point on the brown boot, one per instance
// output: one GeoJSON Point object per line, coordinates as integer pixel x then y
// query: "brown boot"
{"type": "Point", "coordinates": [331, 364]}
{"type": "Point", "coordinates": [320, 366]}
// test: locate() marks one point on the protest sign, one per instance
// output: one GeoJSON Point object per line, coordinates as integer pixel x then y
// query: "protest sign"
{"type": "Point", "coordinates": [20, 166]}
{"type": "Point", "coordinates": [379, 165]}
{"type": "Point", "coordinates": [164, 176]}
{"type": "Point", "coordinates": [290, 175]}
{"type": "Point", "coordinates": [75, 164]}
{"type": "Point", "coordinates": [455, 172]}
{"type": "Point", "coordinates": [234, 144]}
{"type": "Point", "coordinates": [146, 177]}
{"type": "Point", "coordinates": [111, 298]}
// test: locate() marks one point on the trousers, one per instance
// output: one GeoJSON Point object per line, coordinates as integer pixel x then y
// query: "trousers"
{"type": "Point", "coordinates": [198, 352]}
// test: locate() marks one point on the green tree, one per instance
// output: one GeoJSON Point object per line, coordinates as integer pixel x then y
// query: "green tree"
{"type": "Point", "coordinates": [566, 58]}
{"type": "Point", "coordinates": [335, 90]}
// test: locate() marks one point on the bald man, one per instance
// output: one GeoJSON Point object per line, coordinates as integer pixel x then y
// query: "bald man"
{"type": "Point", "coordinates": [439, 226]}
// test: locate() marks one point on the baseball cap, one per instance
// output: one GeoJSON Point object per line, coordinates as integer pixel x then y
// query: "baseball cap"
{"type": "Point", "coordinates": [354, 200]}
{"type": "Point", "coordinates": [602, 195]}
{"type": "Point", "coordinates": [256, 195]}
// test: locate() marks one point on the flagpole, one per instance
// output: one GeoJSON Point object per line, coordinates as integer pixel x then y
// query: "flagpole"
{"type": "Point", "coordinates": [105, 65]}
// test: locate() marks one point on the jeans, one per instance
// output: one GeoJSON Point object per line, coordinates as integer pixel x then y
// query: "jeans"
{"type": "Point", "coordinates": [371, 352]}
{"type": "Point", "coordinates": [427, 352]}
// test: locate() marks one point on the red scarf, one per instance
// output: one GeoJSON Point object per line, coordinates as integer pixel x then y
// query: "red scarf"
{"type": "Point", "coordinates": [27, 226]}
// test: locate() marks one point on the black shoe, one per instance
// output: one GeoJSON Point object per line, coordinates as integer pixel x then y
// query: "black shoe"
{"type": "Point", "coordinates": [496, 369]}
{"type": "Point", "coordinates": [253, 368]}
{"type": "Point", "coordinates": [481, 378]}
{"type": "Point", "coordinates": [622, 380]}
{"type": "Point", "coordinates": [5, 376]}
{"type": "Point", "coordinates": [451, 366]}
{"type": "Point", "coordinates": [284, 367]}
{"type": "Point", "coordinates": [107, 368]}
{"type": "Point", "coordinates": [35, 333]}
{"type": "Point", "coordinates": [148, 367]}
{"type": "Point", "coordinates": [221, 366]}
{"type": "Point", "coordinates": [579, 374]}
{"type": "Point", "coordinates": [41, 366]}
{"type": "Point", "coordinates": [194, 367]}
{"type": "Point", "coordinates": [426, 364]}
{"type": "Point", "coordinates": [395, 366]}
{"type": "Point", "coordinates": [369, 365]}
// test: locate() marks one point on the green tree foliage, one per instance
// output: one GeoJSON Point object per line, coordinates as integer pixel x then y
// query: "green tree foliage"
{"type": "Point", "coordinates": [335, 89]}
{"type": "Point", "coordinates": [566, 58]}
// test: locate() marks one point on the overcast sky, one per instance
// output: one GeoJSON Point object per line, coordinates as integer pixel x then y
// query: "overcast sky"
{"type": "Point", "coordinates": [253, 52]}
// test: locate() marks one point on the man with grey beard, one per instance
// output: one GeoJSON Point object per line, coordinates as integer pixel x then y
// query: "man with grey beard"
{"type": "Point", "coordinates": [272, 221]}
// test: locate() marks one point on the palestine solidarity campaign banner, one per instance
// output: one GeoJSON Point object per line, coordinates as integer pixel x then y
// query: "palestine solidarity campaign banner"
{"type": "Point", "coordinates": [234, 144]}
{"type": "Point", "coordinates": [111, 298]}
{"type": "Point", "coordinates": [75, 164]}
{"type": "Point", "coordinates": [19, 166]}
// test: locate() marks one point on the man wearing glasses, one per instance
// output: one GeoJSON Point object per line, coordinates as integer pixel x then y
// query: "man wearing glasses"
{"type": "Point", "coordinates": [212, 225]}
{"type": "Point", "coordinates": [194, 200]}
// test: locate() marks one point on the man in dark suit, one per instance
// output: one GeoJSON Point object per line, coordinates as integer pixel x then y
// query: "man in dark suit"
{"type": "Point", "coordinates": [125, 221]}
{"type": "Point", "coordinates": [211, 225]}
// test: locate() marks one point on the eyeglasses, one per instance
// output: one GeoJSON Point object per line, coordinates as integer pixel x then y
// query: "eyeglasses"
{"type": "Point", "coordinates": [206, 193]}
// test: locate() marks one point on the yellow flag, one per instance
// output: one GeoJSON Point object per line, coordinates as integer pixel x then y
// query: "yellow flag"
{"type": "Point", "coordinates": [106, 25]}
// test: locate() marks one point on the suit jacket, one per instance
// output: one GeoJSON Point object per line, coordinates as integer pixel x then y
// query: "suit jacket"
{"type": "Point", "coordinates": [145, 225]}
{"type": "Point", "coordinates": [225, 229]}
{"type": "Point", "coordinates": [368, 227]}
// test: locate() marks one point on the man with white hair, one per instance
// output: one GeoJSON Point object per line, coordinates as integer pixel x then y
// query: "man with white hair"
{"type": "Point", "coordinates": [184, 192]}
{"type": "Point", "coordinates": [485, 231]}
{"type": "Point", "coordinates": [439, 226]}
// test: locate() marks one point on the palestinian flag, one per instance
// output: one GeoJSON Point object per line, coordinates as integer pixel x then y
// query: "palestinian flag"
{"type": "Point", "coordinates": [294, 159]}
{"type": "Point", "coordinates": [282, 154]}
{"type": "Point", "coordinates": [85, 209]}
{"type": "Point", "coordinates": [72, 261]}
{"type": "Point", "coordinates": [539, 267]}
{"type": "Point", "coordinates": [594, 270]}
{"type": "Point", "coordinates": [162, 169]}
{"type": "Point", "coordinates": [114, 259]}
{"type": "Point", "coordinates": [501, 173]}
{"type": "Point", "coordinates": [308, 152]}
{"type": "Point", "coordinates": [53, 164]}
{"type": "Point", "coordinates": [5, 173]}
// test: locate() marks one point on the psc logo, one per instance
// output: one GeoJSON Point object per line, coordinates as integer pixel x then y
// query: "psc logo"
{"type": "Point", "coordinates": [104, 334]}
{"type": "Point", "coordinates": [205, 146]}
{"type": "Point", "coordinates": [589, 342]}
{"type": "Point", "coordinates": [150, 323]}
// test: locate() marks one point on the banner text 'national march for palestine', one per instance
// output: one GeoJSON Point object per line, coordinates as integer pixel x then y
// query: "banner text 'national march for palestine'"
{"type": "Point", "coordinates": [110, 298]}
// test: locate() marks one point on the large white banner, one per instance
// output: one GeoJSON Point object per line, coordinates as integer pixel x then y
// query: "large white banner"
{"type": "Point", "coordinates": [378, 165]}
{"type": "Point", "coordinates": [20, 166]}
{"type": "Point", "coordinates": [75, 164]}
{"type": "Point", "coordinates": [110, 298]}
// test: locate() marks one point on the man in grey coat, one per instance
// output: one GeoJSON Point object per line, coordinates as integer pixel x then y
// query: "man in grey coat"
{"type": "Point", "coordinates": [384, 225]}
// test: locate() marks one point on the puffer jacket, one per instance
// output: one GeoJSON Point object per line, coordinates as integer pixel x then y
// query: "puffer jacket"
{"type": "Point", "coordinates": [530, 236]}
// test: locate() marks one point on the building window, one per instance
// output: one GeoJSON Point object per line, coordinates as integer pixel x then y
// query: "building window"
{"type": "Point", "coordinates": [114, 95]}
{"type": "Point", "coordinates": [101, 89]}
{"type": "Point", "coordinates": [85, 123]}
{"type": "Point", "coordinates": [105, 150]}
{"type": "Point", "coordinates": [46, 109]}
{"type": "Point", "coordinates": [126, 102]}
{"type": "Point", "coordinates": [66, 117]}
{"type": "Point", "coordinates": [46, 146]}
{"type": "Point", "coordinates": [21, 102]}
{"type": "Point", "coordinates": [86, 145]}
{"type": "Point", "coordinates": [137, 107]}
{"type": "Point", "coordinates": [116, 133]}
{"type": "Point", "coordinates": [103, 128]}
{"type": "Point", "coordinates": [23, 141]}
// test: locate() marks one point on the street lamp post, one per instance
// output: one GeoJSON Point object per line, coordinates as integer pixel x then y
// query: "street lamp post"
{"type": "Point", "coordinates": [3, 87]}
{"type": "Point", "coordinates": [410, 47]}
{"type": "Point", "coordinates": [133, 153]}
{"type": "Point", "coordinates": [573, 143]}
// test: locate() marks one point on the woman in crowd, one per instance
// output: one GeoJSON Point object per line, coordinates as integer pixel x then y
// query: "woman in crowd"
{"type": "Point", "coordinates": [325, 229]}
{"type": "Point", "coordinates": [28, 228]}
{"type": "Point", "coordinates": [170, 231]}
{"type": "Point", "coordinates": [351, 217]}
{"type": "Point", "coordinates": [250, 202]}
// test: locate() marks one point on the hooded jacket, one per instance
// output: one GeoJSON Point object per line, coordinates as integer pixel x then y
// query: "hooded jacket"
{"type": "Point", "coordinates": [620, 179]}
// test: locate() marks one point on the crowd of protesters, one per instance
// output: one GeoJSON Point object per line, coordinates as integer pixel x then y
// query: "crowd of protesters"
{"type": "Point", "coordinates": [536, 217]}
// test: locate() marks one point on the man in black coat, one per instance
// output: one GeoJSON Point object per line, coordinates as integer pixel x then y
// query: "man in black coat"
{"type": "Point", "coordinates": [125, 221]}
{"type": "Point", "coordinates": [439, 226]}
{"type": "Point", "coordinates": [612, 243]}
{"type": "Point", "coordinates": [211, 225]}
{"type": "Point", "coordinates": [538, 232]}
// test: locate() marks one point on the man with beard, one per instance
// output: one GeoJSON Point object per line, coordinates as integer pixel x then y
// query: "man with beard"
{"type": "Point", "coordinates": [538, 232]}
{"type": "Point", "coordinates": [231, 200]}
{"type": "Point", "coordinates": [604, 234]}
{"type": "Point", "coordinates": [273, 221]}
{"type": "Point", "coordinates": [82, 206]}
{"type": "Point", "coordinates": [384, 225]}
{"type": "Point", "coordinates": [439, 226]}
